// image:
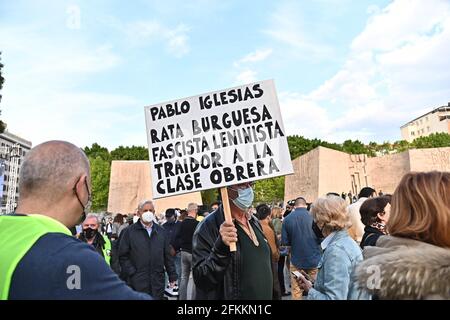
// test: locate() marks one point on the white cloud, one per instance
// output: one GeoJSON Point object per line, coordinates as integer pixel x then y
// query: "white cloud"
{"type": "Point", "coordinates": [400, 23]}
{"type": "Point", "coordinates": [42, 99]}
{"type": "Point", "coordinates": [373, 9]}
{"type": "Point", "coordinates": [79, 117]}
{"type": "Point", "coordinates": [245, 76]}
{"type": "Point", "coordinates": [178, 41]}
{"type": "Point", "coordinates": [142, 33]}
{"type": "Point", "coordinates": [287, 27]}
{"type": "Point", "coordinates": [245, 73]}
{"type": "Point", "coordinates": [256, 56]}
{"type": "Point", "coordinates": [35, 61]}
{"type": "Point", "coordinates": [303, 116]}
{"type": "Point", "coordinates": [397, 69]}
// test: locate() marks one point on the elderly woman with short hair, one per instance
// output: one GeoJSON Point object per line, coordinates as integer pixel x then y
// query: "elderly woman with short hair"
{"type": "Point", "coordinates": [340, 256]}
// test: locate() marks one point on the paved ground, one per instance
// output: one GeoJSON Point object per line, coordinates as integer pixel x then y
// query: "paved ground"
{"type": "Point", "coordinates": [191, 281]}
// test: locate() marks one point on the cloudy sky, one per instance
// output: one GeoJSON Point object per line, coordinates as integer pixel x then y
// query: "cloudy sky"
{"type": "Point", "coordinates": [82, 71]}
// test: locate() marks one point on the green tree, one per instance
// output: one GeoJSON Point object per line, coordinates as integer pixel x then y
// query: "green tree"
{"type": "Point", "coordinates": [354, 147]}
{"type": "Point", "coordinates": [434, 140]}
{"type": "Point", "coordinates": [130, 153]}
{"type": "Point", "coordinates": [401, 145]}
{"type": "Point", "coordinates": [97, 151]}
{"type": "Point", "coordinates": [100, 174]}
{"type": "Point", "coordinates": [299, 145]}
{"type": "Point", "coordinates": [269, 190]}
{"type": "Point", "coordinates": [2, 80]}
{"type": "Point", "coordinates": [210, 196]}
{"type": "Point", "coordinates": [100, 159]}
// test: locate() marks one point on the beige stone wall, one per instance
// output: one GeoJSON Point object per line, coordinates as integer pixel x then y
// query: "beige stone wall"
{"type": "Point", "coordinates": [430, 159]}
{"type": "Point", "coordinates": [360, 176]}
{"type": "Point", "coordinates": [387, 171]}
{"type": "Point", "coordinates": [333, 172]}
{"type": "Point", "coordinates": [305, 180]}
{"type": "Point", "coordinates": [130, 183]}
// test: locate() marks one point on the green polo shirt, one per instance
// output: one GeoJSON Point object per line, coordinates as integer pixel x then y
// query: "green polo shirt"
{"type": "Point", "coordinates": [256, 270]}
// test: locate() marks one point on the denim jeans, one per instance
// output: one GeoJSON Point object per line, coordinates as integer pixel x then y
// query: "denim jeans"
{"type": "Point", "coordinates": [186, 268]}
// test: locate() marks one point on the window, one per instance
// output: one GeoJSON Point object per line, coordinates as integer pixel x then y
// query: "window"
{"type": "Point", "coordinates": [428, 129]}
{"type": "Point", "coordinates": [412, 133]}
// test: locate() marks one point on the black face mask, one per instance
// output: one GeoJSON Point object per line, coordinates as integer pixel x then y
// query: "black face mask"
{"type": "Point", "coordinates": [89, 233]}
{"type": "Point", "coordinates": [85, 207]}
{"type": "Point", "coordinates": [317, 231]}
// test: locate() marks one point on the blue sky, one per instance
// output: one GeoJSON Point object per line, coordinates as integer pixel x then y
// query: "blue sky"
{"type": "Point", "coordinates": [82, 71]}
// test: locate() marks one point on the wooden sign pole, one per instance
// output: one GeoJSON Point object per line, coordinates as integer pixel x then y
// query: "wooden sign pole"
{"type": "Point", "coordinates": [227, 212]}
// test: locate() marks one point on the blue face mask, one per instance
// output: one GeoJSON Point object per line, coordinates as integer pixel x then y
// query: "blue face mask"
{"type": "Point", "coordinates": [245, 199]}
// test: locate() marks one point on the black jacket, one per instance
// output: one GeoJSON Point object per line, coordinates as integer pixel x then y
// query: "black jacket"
{"type": "Point", "coordinates": [171, 230]}
{"type": "Point", "coordinates": [216, 270]}
{"type": "Point", "coordinates": [370, 236]}
{"type": "Point", "coordinates": [143, 259]}
{"type": "Point", "coordinates": [183, 237]}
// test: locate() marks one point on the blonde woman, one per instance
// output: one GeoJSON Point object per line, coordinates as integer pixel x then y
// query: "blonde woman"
{"type": "Point", "coordinates": [276, 215]}
{"type": "Point", "coordinates": [341, 253]}
{"type": "Point", "coordinates": [413, 262]}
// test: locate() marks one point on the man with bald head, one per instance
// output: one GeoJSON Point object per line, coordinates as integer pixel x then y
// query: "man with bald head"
{"type": "Point", "coordinates": [40, 259]}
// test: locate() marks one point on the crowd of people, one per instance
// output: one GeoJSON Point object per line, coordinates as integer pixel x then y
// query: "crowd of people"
{"type": "Point", "coordinates": [167, 245]}
{"type": "Point", "coordinates": [376, 246]}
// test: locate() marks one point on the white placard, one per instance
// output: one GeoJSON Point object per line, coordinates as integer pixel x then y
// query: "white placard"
{"type": "Point", "coordinates": [216, 139]}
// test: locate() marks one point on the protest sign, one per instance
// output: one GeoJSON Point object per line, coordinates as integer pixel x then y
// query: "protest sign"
{"type": "Point", "coordinates": [216, 139]}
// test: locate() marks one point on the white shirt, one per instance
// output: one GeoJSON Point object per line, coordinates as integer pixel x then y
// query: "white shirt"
{"type": "Point", "coordinates": [324, 244]}
{"type": "Point", "coordinates": [148, 228]}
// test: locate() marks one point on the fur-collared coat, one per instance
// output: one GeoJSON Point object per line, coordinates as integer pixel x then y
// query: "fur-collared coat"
{"type": "Point", "coordinates": [407, 269]}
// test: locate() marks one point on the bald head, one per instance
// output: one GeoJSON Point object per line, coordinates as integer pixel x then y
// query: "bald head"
{"type": "Point", "coordinates": [51, 169]}
{"type": "Point", "coordinates": [300, 202]}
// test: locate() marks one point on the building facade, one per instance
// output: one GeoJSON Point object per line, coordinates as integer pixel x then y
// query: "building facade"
{"type": "Point", "coordinates": [435, 121]}
{"type": "Point", "coordinates": [12, 152]}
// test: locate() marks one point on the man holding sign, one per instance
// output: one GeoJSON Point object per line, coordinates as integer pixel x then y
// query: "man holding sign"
{"type": "Point", "coordinates": [225, 139]}
{"type": "Point", "coordinates": [222, 274]}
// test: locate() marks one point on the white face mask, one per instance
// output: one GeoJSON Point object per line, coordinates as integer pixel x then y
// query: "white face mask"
{"type": "Point", "coordinates": [148, 216]}
{"type": "Point", "coordinates": [135, 219]}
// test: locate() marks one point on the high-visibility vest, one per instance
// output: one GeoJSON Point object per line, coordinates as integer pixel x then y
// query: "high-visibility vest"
{"type": "Point", "coordinates": [18, 233]}
{"type": "Point", "coordinates": [107, 249]}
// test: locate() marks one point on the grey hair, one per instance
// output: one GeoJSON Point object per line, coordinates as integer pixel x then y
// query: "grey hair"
{"type": "Point", "coordinates": [192, 206]}
{"type": "Point", "coordinates": [92, 216]}
{"type": "Point", "coordinates": [143, 203]}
